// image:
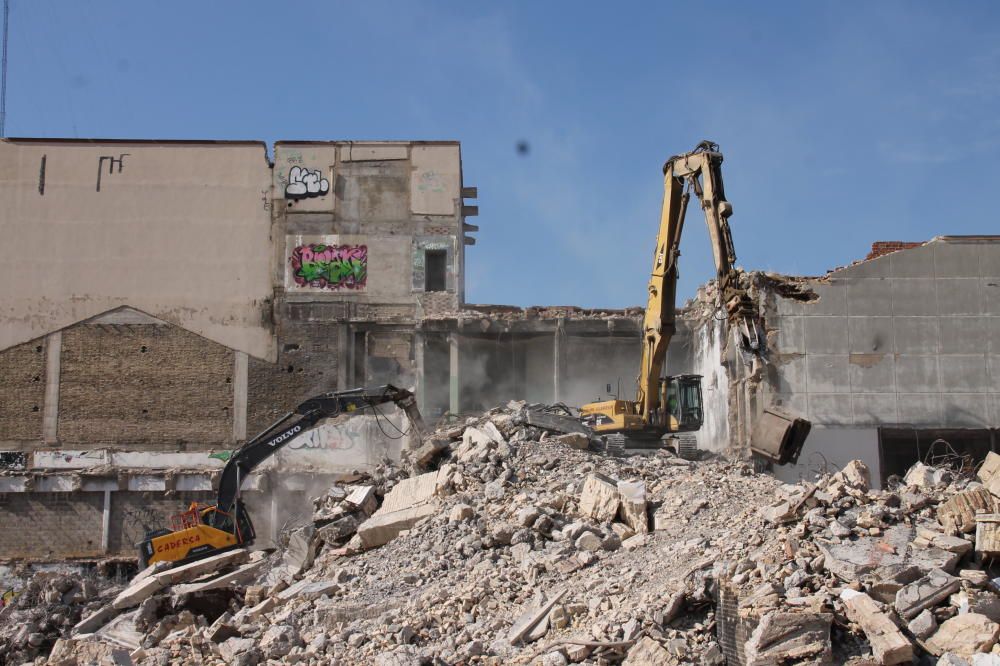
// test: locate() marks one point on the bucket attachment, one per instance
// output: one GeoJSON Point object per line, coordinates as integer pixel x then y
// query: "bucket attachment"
{"type": "Point", "coordinates": [779, 436]}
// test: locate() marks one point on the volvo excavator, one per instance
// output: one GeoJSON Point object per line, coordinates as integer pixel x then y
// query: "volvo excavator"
{"type": "Point", "coordinates": [666, 405]}
{"type": "Point", "coordinates": [206, 529]}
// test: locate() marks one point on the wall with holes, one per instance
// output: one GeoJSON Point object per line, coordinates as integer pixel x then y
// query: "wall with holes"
{"type": "Point", "coordinates": [22, 391]}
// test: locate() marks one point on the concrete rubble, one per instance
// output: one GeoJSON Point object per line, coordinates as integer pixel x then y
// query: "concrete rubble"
{"type": "Point", "coordinates": [513, 544]}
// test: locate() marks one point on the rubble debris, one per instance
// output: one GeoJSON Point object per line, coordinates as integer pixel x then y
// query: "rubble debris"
{"type": "Point", "coordinates": [988, 534]}
{"type": "Point", "coordinates": [412, 564]}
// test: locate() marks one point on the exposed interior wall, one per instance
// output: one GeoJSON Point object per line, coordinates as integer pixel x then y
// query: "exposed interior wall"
{"type": "Point", "coordinates": [912, 337]}
{"type": "Point", "coordinates": [22, 391]}
{"type": "Point", "coordinates": [133, 513]}
{"type": "Point", "coordinates": [51, 525]}
{"type": "Point", "coordinates": [143, 386]}
{"type": "Point", "coordinates": [177, 230]}
{"type": "Point", "coordinates": [594, 362]}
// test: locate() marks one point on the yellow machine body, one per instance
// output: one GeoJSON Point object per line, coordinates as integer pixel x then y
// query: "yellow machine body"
{"type": "Point", "coordinates": [190, 542]}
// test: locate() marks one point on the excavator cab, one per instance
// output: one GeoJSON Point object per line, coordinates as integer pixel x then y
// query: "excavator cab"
{"type": "Point", "coordinates": [683, 402]}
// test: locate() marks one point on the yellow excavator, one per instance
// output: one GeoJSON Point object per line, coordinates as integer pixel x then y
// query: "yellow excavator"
{"type": "Point", "coordinates": [206, 529]}
{"type": "Point", "coordinates": [672, 404]}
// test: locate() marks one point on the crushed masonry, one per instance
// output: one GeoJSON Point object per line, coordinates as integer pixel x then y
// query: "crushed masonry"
{"type": "Point", "coordinates": [521, 545]}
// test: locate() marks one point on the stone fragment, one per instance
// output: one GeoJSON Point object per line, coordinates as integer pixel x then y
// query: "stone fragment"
{"type": "Point", "coordinates": [622, 531]}
{"type": "Point", "coordinates": [988, 534]}
{"type": "Point", "coordinates": [384, 527]}
{"type": "Point", "coordinates": [783, 637]}
{"type": "Point", "coordinates": [923, 625]}
{"type": "Point", "coordinates": [574, 440]}
{"type": "Point", "coordinates": [599, 498]}
{"type": "Point", "coordinates": [929, 591]}
{"type": "Point", "coordinates": [888, 643]}
{"type": "Point", "coordinates": [300, 552]}
{"type": "Point", "coordinates": [964, 635]}
{"type": "Point", "coordinates": [363, 498]}
{"type": "Point", "coordinates": [136, 593]}
{"type": "Point", "coordinates": [958, 514]}
{"type": "Point", "coordinates": [636, 541]}
{"type": "Point", "coordinates": [646, 652]}
{"type": "Point", "coordinates": [989, 473]}
{"type": "Point", "coordinates": [461, 512]}
{"type": "Point", "coordinates": [632, 497]}
{"type": "Point", "coordinates": [920, 476]}
{"type": "Point", "coordinates": [854, 475]}
{"type": "Point", "coordinates": [589, 542]}
{"type": "Point", "coordinates": [337, 531]}
{"type": "Point", "coordinates": [240, 575]}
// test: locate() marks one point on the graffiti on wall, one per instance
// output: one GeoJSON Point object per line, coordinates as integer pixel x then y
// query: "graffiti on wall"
{"type": "Point", "coordinates": [304, 183]}
{"type": "Point", "coordinates": [330, 266]}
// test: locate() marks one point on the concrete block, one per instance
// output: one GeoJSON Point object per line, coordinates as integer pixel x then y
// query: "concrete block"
{"type": "Point", "coordinates": [889, 645]}
{"type": "Point", "coordinates": [988, 534]}
{"type": "Point", "coordinates": [870, 335]}
{"type": "Point", "coordinates": [384, 527]}
{"type": "Point", "coordinates": [965, 635]}
{"type": "Point", "coordinates": [831, 409]}
{"type": "Point", "coordinates": [869, 297]}
{"type": "Point", "coordinates": [301, 549]}
{"type": "Point", "coordinates": [599, 498]}
{"type": "Point", "coordinates": [956, 259]}
{"type": "Point", "coordinates": [13, 484]}
{"type": "Point", "coordinates": [917, 374]}
{"type": "Point", "coordinates": [790, 335]}
{"type": "Point", "coordinates": [914, 296]}
{"type": "Point", "coordinates": [147, 483]}
{"type": "Point", "coordinates": [95, 620]}
{"type": "Point", "coordinates": [959, 296]}
{"type": "Point", "coordinates": [790, 374]}
{"type": "Point", "coordinates": [646, 652]}
{"type": "Point", "coordinates": [963, 373]}
{"type": "Point", "coordinates": [875, 408]}
{"type": "Point", "coordinates": [990, 290]}
{"type": "Point", "coordinates": [827, 373]}
{"type": "Point", "coordinates": [364, 498]}
{"type": "Point", "coordinates": [826, 335]}
{"type": "Point", "coordinates": [410, 492]}
{"type": "Point", "coordinates": [993, 373]}
{"type": "Point", "coordinates": [916, 335]}
{"type": "Point", "coordinates": [782, 637]}
{"type": "Point", "coordinates": [963, 335]}
{"type": "Point", "coordinates": [872, 373]}
{"type": "Point", "coordinates": [926, 592]}
{"type": "Point", "coordinates": [915, 262]}
{"type": "Point", "coordinates": [989, 260]}
{"type": "Point", "coordinates": [632, 495]}
{"type": "Point", "coordinates": [361, 152]}
{"type": "Point", "coordinates": [958, 514]}
{"type": "Point", "coordinates": [192, 570]}
{"type": "Point", "coordinates": [56, 484]}
{"type": "Point", "coordinates": [919, 409]}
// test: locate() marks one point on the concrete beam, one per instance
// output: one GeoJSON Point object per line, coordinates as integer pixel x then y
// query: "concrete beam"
{"type": "Point", "coordinates": [106, 523]}
{"type": "Point", "coordinates": [240, 381]}
{"type": "Point", "coordinates": [558, 354]}
{"type": "Point", "coordinates": [454, 369]}
{"type": "Point", "coordinates": [50, 411]}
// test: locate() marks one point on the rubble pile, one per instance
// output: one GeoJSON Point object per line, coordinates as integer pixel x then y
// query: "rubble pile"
{"type": "Point", "coordinates": [502, 542]}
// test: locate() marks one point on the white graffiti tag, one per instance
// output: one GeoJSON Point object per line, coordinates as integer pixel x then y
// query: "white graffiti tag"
{"type": "Point", "coordinates": [304, 183]}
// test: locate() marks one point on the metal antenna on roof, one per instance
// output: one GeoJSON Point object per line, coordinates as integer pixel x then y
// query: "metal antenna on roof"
{"type": "Point", "coordinates": [3, 71]}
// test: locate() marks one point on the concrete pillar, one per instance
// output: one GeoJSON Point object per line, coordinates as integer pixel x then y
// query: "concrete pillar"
{"type": "Point", "coordinates": [344, 358]}
{"type": "Point", "coordinates": [50, 412]}
{"type": "Point", "coordinates": [272, 485]}
{"type": "Point", "coordinates": [454, 397]}
{"type": "Point", "coordinates": [106, 523]}
{"type": "Point", "coordinates": [241, 364]}
{"type": "Point", "coordinates": [557, 360]}
{"type": "Point", "coordinates": [418, 363]}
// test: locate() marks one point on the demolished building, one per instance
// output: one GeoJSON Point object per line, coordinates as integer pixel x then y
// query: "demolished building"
{"type": "Point", "coordinates": [163, 300]}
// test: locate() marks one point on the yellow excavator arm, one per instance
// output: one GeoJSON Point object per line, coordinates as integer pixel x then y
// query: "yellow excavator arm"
{"type": "Point", "coordinates": [673, 404]}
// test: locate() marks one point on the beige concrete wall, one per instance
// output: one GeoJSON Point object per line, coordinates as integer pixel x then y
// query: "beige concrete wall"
{"type": "Point", "coordinates": [177, 230]}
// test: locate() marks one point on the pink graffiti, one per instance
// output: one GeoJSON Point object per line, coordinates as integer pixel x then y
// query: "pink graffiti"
{"type": "Point", "coordinates": [330, 266]}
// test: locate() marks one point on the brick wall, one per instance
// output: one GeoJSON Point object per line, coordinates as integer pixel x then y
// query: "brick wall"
{"type": "Point", "coordinates": [437, 303]}
{"type": "Point", "coordinates": [22, 391]}
{"type": "Point", "coordinates": [133, 512]}
{"type": "Point", "coordinates": [390, 358]}
{"type": "Point", "coordinates": [51, 525]}
{"type": "Point", "coordinates": [307, 364]}
{"type": "Point", "coordinates": [143, 386]}
{"type": "Point", "coordinates": [880, 248]}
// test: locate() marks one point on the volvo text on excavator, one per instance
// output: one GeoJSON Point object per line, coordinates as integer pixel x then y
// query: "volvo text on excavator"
{"type": "Point", "coordinates": [206, 529]}
{"type": "Point", "coordinates": [673, 404]}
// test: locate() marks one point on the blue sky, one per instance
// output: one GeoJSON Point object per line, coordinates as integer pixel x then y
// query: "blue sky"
{"type": "Point", "coordinates": [842, 123]}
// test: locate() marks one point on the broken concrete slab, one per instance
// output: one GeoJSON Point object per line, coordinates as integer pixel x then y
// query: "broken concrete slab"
{"type": "Point", "coordinates": [646, 652]}
{"type": "Point", "coordinates": [783, 637]}
{"type": "Point", "coordinates": [929, 591]}
{"type": "Point", "coordinates": [989, 473]}
{"type": "Point", "coordinates": [382, 528]}
{"type": "Point", "coordinates": [192, 570]}
{"type": "Point", "coordinates": [414, 490]}
{"type": "Point", "coordinates": [574, 440]}
{"type": "Point", "coordinates": [136, 593]}
{"type": "Point", "coordinates": [889, 645]}
{"type": "Point", "coordinates": [923, 625]}
{"type": "Point", "coordinates": [958, 514]}
{"type": "Point", "coordinates": [363, 498]}
{"type": "Point", "coordinates": [95, 620]}
{"type": "Point", "coordinates": [552, 422]}
{"type": "Point", "coordinates": [301, 550]}
{"type": "Point", "coordinates": [964, 635]}
{"type": "Point", "coordinates": [854, 475]}
{"type": "Point", "coordinates": [531, 617]}
{"type": "Point", "coordinates": [632, 505]}
{"type": "Point", "coordinates": [240, 575]}
{"type": "Point", "coordinates": [599, 498]}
